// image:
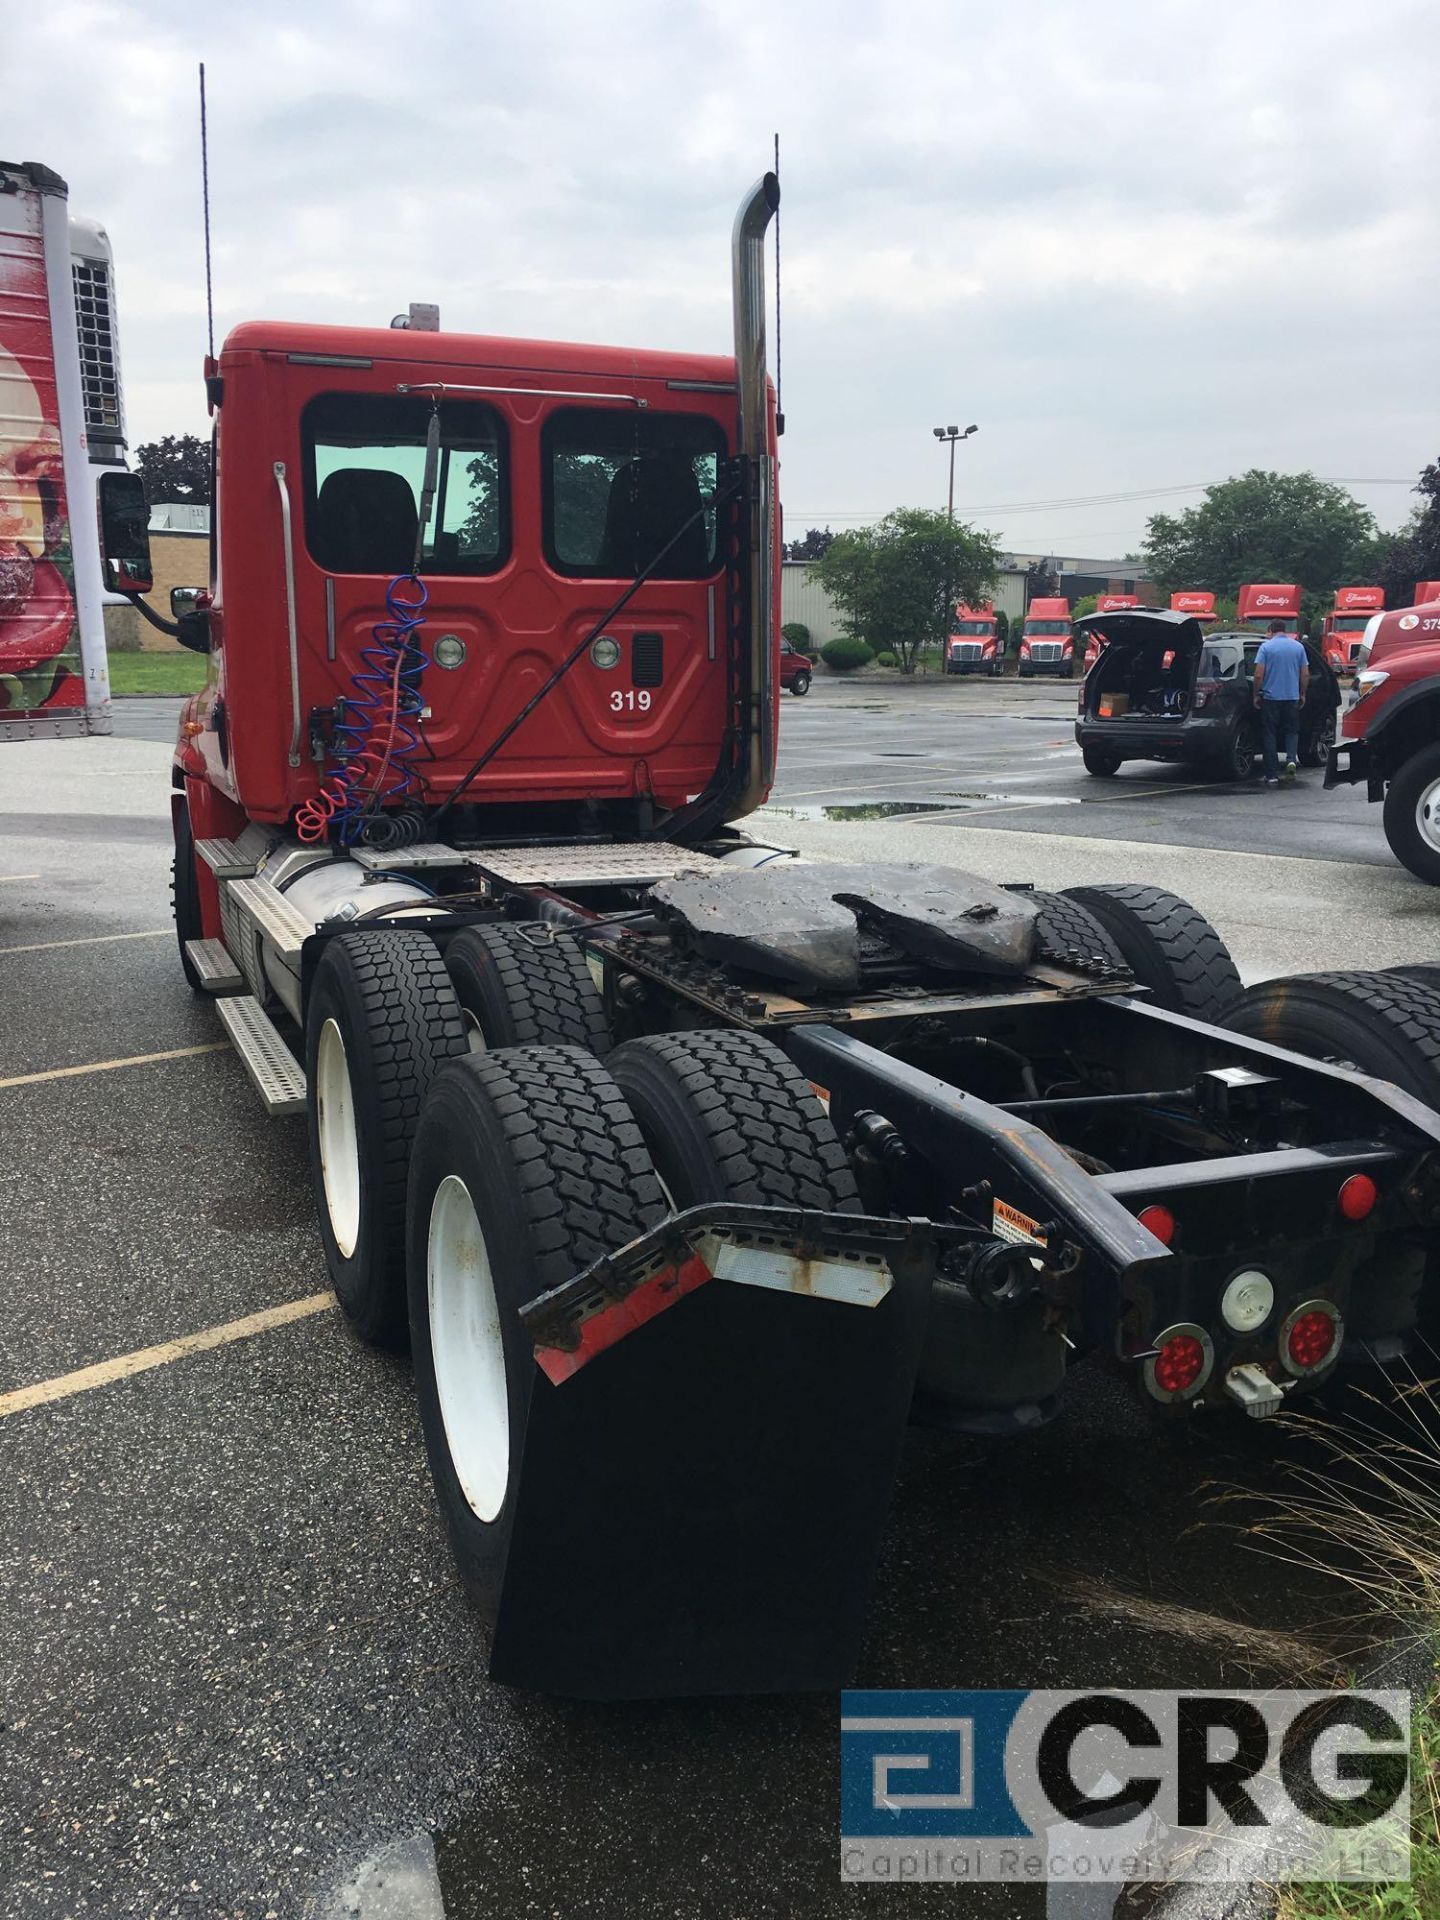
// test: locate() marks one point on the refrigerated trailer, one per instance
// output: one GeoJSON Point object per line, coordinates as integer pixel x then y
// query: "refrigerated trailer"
{"type": "Point", "coordinates": [691, 1172]}
{"type": "Point", "coordinates": [60, 419]}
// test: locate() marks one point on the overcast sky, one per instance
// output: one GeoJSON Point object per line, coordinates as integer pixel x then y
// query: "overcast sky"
{"type": "Point", "coordinates": [1141, 244]}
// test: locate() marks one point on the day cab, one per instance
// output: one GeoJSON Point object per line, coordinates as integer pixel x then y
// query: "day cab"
{"type": "Point", "coordinates": [1199, 606]}
{"type": "Point", "coordinates": [1047, 641]}
{"type": "Point", "coordinates": [1390, 736]}
{"type": "Point", "coordinates": [973, 645]}
{"type": "Point", "coordinates": [1345, 624]}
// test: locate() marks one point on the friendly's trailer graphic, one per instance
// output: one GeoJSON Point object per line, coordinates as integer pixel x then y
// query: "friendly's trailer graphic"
{"type": "Point", "coordinates": [1015, 1784]}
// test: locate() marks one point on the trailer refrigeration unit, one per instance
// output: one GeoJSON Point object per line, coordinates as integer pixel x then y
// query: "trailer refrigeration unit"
{"type": "Point", "coordinates": [973, 645]}
{"type": "Point", "coordinates": [691, 1172]}
{"type": "Point", "coordinates": [53, 421]}
{"type": "Point", "coordinates": [1345, 624]}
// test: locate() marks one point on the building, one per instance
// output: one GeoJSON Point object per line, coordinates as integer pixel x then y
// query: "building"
{"type": "Point", "coordinates": [180, 557]}
{"type": "Point", "coordinates": [804, 600]}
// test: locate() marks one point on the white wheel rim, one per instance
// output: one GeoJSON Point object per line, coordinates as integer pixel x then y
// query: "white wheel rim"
{"type": "Point", "coordinates": [339, 1147]}
{"type": "Point", "coordinates": [467, 1349]}
{"type": "Point", "coordinates": [1427, 815]}
{"type": "Point", "coordinates": [474, 1034]}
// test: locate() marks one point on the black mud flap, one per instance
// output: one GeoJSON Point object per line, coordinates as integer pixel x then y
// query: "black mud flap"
{"type": "Point", "coordinates": [709, 1456]}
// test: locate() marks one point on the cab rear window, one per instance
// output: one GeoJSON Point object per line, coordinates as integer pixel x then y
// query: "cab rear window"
{"type": "Point", "coordinates": [364, 470]}
{"type": "Point", "coordinates": [618, 486]}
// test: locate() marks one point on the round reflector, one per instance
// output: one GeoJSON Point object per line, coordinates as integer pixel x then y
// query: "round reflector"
{"type": "Point", "coordinates": [1310, 1336]}
{"type": "Point", "coordinates": [1357, 1196]}
{"type": "Point", "coordinates": [1159, 1221]}
{"type": "Point", "coordinates": [1247, 1300]}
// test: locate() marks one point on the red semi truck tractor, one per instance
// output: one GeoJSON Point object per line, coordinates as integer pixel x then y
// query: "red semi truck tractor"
{"type": "Point", "coordinates": [1199, 606]}
{"type": "Point", "coordinates": [973, 645]}
{"type": "Point", "coordinates": [1106, 603]}
{"type": "Point", "coordinates": [1345, 624]}
{"type": "Point", "coordinates": [58, 388]}
{"type": "Point", "coordinates": [1047, 641]}
{"type": "Point", "coordinates": [690, 1173]}
{"type": "Point", "coordinates": [1262, 602]}
{"type": "Point", "coordinates": [1390, 735]}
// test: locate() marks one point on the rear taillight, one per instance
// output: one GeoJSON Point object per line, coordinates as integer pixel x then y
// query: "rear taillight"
{"type": "Point", "coordinates": [1159, 1221]}
{"type": "Point", "coordinates": [1203, 695]}
{"type": "Point", "coordinates": [1358, 1195]}
{"type": "Point", "coordinates": [1310, 1337]}
{"type": "Point", "coordinates": [1180, 1364]}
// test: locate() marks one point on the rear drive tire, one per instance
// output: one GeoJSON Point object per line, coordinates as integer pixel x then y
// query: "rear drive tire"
{"type": "Point", "coordinates": [1386, 1024]}
{"type": "Point", "coordinates": [1066, 929]}
{"type": "Point", "coordinates": [185, 895]}
{"type": "Point", "coordinates": [382, 1020]}
{"type": "Point", "coordinates": [728, 1117]}
{"type": "Point", "coordinates": [1412, 815]}
{"type": "Point", "coordinates": [527, 1166]}
{"type": "Point", "coordinates": [1168, 945]}
{"type": "Point", "coordinates": [800, 684]}
{"type": "Point", "coordinates": [525, 987]}
{"type": "Point", "coordinates": [1101, 761]}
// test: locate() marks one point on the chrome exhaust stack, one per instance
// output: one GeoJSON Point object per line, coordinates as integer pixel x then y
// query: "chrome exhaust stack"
{"type": "Point", "coordinates": [747, 257]}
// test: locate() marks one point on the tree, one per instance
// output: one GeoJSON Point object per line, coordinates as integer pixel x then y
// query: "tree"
{"type": "Point", "coordinates": [1414, 553]}
{"type": "Point", "coordinates": [1042, 582]}
{"type": "Point", "coordinates": [897, 583]}
{"type": "Point", "coordinates": [1263, 526]}
{"type": "Point", "coordinates": [812, 547]}
{"type": "Point", "coordinates": [175, 468]}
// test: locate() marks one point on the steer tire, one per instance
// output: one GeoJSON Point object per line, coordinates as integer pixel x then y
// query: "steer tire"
{"type": "Point", "coordinates": [1066, 929]}
{"type": "Point", "coordinates": [526, 987]}
{"type": "Point", "coordinates": [800, 685]}
{"type": "Point", "coordinates": [538, 1144]}
{"type": "Point", "coordinates": [382, 1020]}
{"type": "Point", "coordinates": [728, 1117]}
{"type": "Point", "coordinates": [1412, 815]}
{"type": "Point", "coordinates": [185, 895]}
{"type": "Point", "coordinates": [1384, 1024]}
{"type": "Point", "coordinates": [1169, 947]}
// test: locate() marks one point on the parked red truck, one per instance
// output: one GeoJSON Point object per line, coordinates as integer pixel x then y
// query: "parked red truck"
{"type": "Point", "coordinates": [1262, 602]}
{"type": "Point", "coordinates": [1199, 606]}
{"type": "Point", "coordinates": [974, 642]}
{"type": "Point", "coordinates": [1345, 624]}
{"type": "Point", "coordinates": [1390, 737]}
{"type": "Point", "coordinates": [687, 1172]}
{"type": "Point", "coordinates": [1047, 641]}
{"type": "Point", "coordinates": [1106, 603]}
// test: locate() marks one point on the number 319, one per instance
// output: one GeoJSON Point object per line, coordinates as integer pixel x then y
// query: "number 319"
{"type": "Point", "coordinates": [629, 702]}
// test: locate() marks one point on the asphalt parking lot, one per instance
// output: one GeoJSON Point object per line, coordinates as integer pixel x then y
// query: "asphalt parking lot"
{"type": "Point", "coordinates": [238, 1674]}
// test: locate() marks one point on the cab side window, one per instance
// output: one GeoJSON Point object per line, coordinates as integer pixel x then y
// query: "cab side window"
{"type": "Point", "coordinates": [621, 486]}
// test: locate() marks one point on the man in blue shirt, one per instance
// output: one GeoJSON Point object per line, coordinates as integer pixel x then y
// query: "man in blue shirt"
{"type": "Point", "coordinates": [1282, 675]}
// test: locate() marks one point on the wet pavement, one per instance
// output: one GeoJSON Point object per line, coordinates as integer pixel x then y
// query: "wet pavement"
{"type": "Point", "coordinates": [236, 1670]}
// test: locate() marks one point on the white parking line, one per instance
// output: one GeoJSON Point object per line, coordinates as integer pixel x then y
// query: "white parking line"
{"type": "Point", "coordinates": [5, 877]}
{"type": "Point", "coordinates": [85, 1379]}
{"type": "Point", "coordinates": [108, 1066]}
{"type": "Point", "coordinates": [90, 940]}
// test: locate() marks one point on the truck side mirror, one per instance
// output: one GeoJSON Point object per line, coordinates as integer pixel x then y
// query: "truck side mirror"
{"type": "Point", "coordinates": [125, 533]}
{"type": "Point", "coordinates": [190, 607]}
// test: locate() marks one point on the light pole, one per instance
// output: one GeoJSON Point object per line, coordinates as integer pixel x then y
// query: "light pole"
{"type": "Point", "coordinates": [952, 434]}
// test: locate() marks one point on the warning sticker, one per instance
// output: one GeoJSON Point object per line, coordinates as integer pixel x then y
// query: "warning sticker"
{"type": "Point", "coordinates": [1008, 1223]}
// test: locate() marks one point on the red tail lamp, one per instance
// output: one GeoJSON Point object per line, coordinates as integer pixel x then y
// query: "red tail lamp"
{"type": "Point", "coordinates": [1180, 1363]}
{"type": "Point", "coordinates": [1159, 1221]}
{"type": "Point", "coordinates": [1358, 1195]}
{"type": "Point", "coordinates": [1310, 1337]}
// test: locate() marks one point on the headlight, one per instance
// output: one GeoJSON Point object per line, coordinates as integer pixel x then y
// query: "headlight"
{"type": "Point", "coordinates": [1367, 682]}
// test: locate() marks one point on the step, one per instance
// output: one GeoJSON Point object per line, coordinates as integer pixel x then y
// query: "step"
{"type": "Point", "coordinates": [284, 926]}
{"type": "Point", "coordinates": [592, 863]}
{"type": "Point", "coordinates": [226, 859]}
{"type": "Point", "coordinates": [429, 853]}
{"type": "Point", "coordinates": [217, 972]}
{"type": "Point", "coordinates": [278, 1076]}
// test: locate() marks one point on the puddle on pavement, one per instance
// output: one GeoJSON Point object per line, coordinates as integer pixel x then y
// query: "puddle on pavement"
{"type": "Point", "coordinates": [1085, 1554]}
{"type": "Point", "coordinates": [864, 810]}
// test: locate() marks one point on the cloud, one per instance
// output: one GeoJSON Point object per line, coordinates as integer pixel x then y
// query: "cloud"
{"type": "Point", "coordinates": [1141, 244]}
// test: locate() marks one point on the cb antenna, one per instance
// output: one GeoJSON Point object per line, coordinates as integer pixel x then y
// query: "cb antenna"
{"type": "Point", "coordinates": [205, 192]}
{"type": "Point", "coordinates": [779, 390]}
